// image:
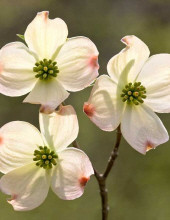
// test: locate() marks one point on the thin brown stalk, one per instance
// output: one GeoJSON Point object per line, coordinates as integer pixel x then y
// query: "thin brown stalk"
{"type": "Point", "coordinates": [101, 178]}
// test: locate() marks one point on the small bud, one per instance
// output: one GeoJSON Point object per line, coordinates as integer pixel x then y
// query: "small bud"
{"type": "Point", "coordinates": [136, 102]}
{"type": "Point", "coordinates": [40, 67]}
{"type": "Point", "coordinates": [131, 98]}
{"type": "Point", "coordinates": [50, 66]}
{"type": "Point", "coordinates": [47, 162]}
{"type": "Point", "coordinates": [45, 75]}
{"type": "Point", "coordinates": [50, 71]}
{"type": "Point", "coordinates": [53, 162]}
{"type": "Point", "coordinates": [143, 96]}
{"type": "Point", "coordinates": [35, 69]}
{"type": "Point", "coordinates": [50, 157]}
{"type": "Point", "coordinates": [44, 156]}
{"type": "Point", "coordinates": [45, 68]}
{"type": "Point", "coordinates": [135, 94]}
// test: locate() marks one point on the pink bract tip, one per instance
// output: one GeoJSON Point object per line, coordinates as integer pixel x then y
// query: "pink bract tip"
{"type": "Point", "coordinates": [127, 40]}
{"type": "Point", "coordinates": [44, 14]}
{"type": "Point", "coordinates": [1, 140]}
{"type": "Point", "coordinates": [83, 181]}
{"type": "Point", "coordinates": [1, 68]}
{"type": "Point", "coordinates": [13, 197]}
{"type": "Point", "coordinates": [149, 146]}
{"type": "Point", "coordinates": [94, 62]}
{"type": "Point", "coordinates": [88, 109]}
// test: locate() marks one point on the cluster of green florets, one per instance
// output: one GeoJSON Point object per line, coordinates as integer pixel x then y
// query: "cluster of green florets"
{"type": "Point", "coordinates": [45, 157]}
{"type": "Point", "coordinates": [45, 69]}
{"type": "Point", "coordinates": [134, 93]}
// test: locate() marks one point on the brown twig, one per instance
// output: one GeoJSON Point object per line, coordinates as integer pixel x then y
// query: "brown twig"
{"type": "Point", "coordinates": [114, 153]}
{"type": "Point", "coordinates": [101, 178]}
{"type": "Point", "coordinates": [103, 193]}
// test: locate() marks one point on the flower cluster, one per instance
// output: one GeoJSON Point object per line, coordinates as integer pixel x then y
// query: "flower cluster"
{"type": "Point", "coordinates": [48, 65]}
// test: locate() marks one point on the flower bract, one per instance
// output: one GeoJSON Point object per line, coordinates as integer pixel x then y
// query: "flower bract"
{"type": "Point", "coordinates": [50, 65]}
{"type": "Point", "coordinates": [34, 161]}
{"type": "Point", "coordinates": [137, 86]}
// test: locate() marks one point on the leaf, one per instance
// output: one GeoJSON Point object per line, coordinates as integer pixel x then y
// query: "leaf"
{"type": "Point", "coordinates": [21, 36]}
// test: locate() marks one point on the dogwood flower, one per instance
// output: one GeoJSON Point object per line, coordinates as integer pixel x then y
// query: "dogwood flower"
{"type": "Point", "coordinates": [34, 161]}
{"type": "Point", "coordinates": [50, 65]}
{"type": "Point", "coordinates": [137, 87]}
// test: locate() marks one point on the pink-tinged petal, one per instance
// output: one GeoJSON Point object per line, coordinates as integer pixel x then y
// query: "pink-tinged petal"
{"type": "Point", "coordinates": [83, 181]}
{"type": "Point", "coordinates": [71, 174]}
{"type": "Point", "coordinates": [142, 128]}
{"type": "Point", "coordinates": [1, 67]}
{"type": "Point", "coordinates": [60, 128]}
{"type": "Point", "coordinates": [16, 69]}
{"type": "Point", "coordinates": [46, 109]}
{"type": "Point", "coordinates": [155, 76]}
{"type": "Point", "coordinates": [18, 140]}
{"type": "Point", "coordinates": [77, 63]}
{"type": "Point", "coordinates": [149, 146]}
{"type": "Point", "coordinates": [126, 65]}
{"type": "Point", "coordinates": [45, 36]}
{"type": "Point", "coordinates": [1, 140]}
{"type": "Point", "coordinates": [89, 109]}
{"type": "Point", "coordinates": [93, 61]}
{"type": "Point", "coordinates": [47, 93]}
{"type": "Point", "coordinates": [104, 107]}
{"type": "Point", "coordinates": [27, 185]}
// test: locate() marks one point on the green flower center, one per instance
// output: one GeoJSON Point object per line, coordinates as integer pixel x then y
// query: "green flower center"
{"type": "Point", "coordinates": [133, 93]}
{"type": "Point", "coordinates": [45, 157]}
{"type": "Point", "coordinates": [45, 69]}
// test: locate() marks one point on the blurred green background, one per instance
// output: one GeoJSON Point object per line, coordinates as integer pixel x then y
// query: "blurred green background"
{"type": "Point", "coordinates": [139, 186]}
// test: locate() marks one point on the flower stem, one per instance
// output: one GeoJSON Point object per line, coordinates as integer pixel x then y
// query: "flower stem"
{"type": "Point", "coordinates": [101, 178]}
{"type": "Point", "coordinates": [114, 153]}
{"type": "Point", "coordinates": [104, 194]}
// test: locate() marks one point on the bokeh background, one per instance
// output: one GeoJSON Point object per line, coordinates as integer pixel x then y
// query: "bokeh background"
{"type": "Point", "coordinates": [139, 186]}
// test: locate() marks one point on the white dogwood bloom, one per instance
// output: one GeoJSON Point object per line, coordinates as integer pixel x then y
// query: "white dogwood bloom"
{"type": "Point", "coordinates": [137, 87]}
{"type": "Point", "coordinates": [34, 161]}
{"type": "Point", "coordinates": [50, 65]}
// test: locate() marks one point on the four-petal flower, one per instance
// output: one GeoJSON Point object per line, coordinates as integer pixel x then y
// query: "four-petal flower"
{"type": "Point", "coordinates": [32, 161]}
{"type": "Point", "coordinates": [50, 65]}
{"type": "Point", "coordinates": [137, 87]}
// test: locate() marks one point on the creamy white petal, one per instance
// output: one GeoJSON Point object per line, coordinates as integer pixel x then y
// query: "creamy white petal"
{"type": "Point", "coordinates": [71, 174]}
{"type": "Point", "coordinates": [18, 140]}
{"type": "Point", "coordinates": [47, 93]}
{"type": "Point", "coordinates": [44, 36]}
{"type": "Point", "coordinates": [27, 185]}
{"type": "Point", "coordinates": [155, 76]}
{"type": "Point", "coordinates": [105, 107]}
{"type": "Point", "coordinates": [142, 128]}
{"type": "Point", "coordinates": [16, 69]}
{"type": "Point", "coordinates": [78, 63]}
{"type": "Point", "coordinates": [126, 65]}
{"type": "Point", "coordinates": [60, 128]}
